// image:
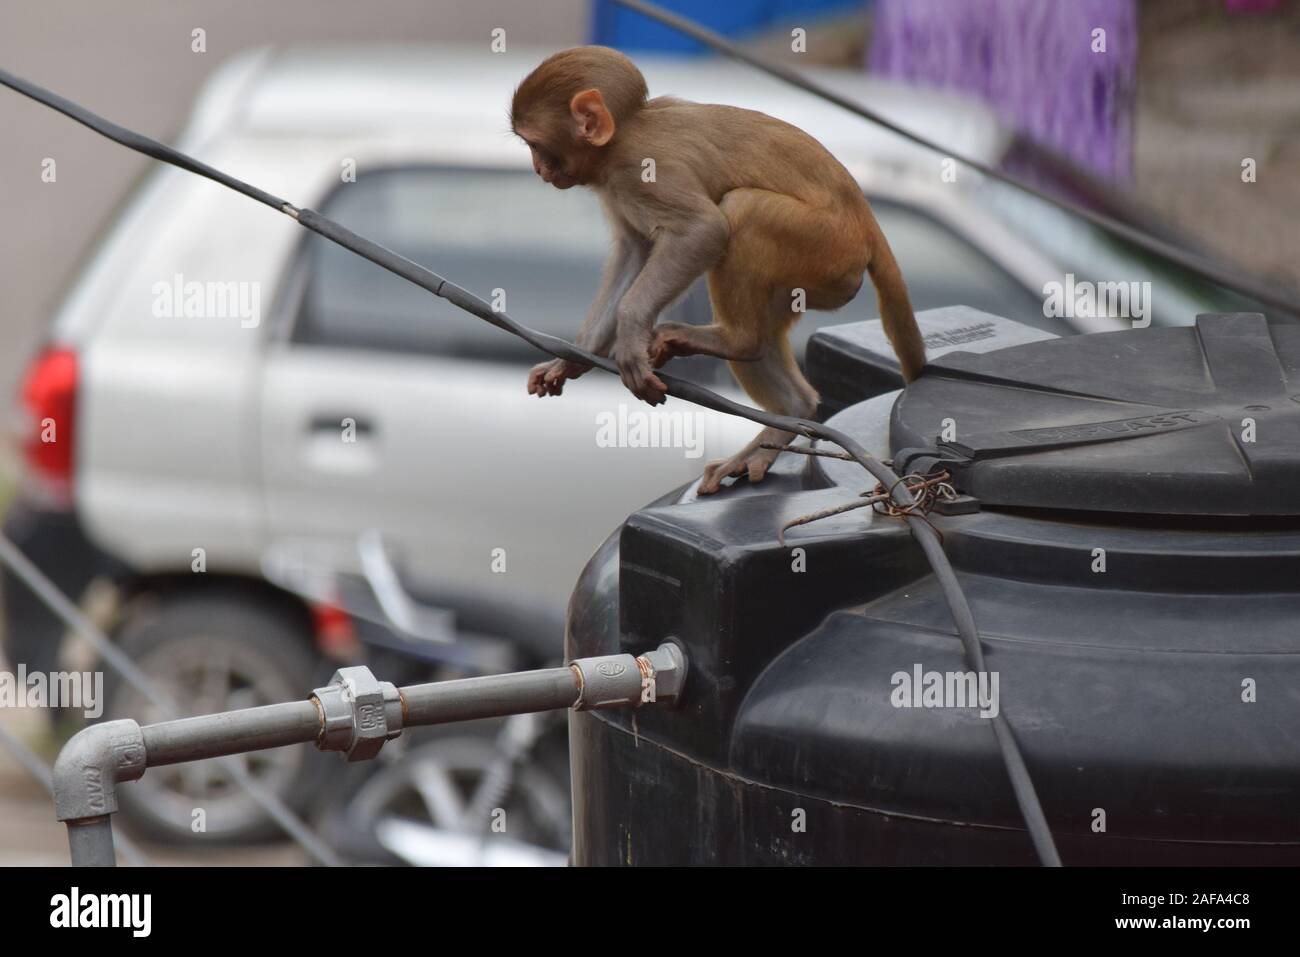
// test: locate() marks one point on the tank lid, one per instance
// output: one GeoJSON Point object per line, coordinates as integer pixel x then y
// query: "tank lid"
{"type": "Point", "coordinates": [1193, 420]}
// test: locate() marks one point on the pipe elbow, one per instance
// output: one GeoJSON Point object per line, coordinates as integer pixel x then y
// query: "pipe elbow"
{"type": "Point", "coordinates": [90, 766]}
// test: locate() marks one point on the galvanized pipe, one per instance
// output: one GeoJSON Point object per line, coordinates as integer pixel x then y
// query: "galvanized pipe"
{"type": "Point", "coordinates": [230, 732]}
{"type": "Point", "coordinates": [354, 714]}
{"type": "Point", "coordinates": [90, 842]}
{"type": "Point", "coordinates": [491, 696]}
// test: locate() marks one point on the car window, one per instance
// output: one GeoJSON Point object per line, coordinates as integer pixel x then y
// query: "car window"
{"type": "Point", "coordinates": [1177, 295]}
{"type": "Point", "coordinates": [543, 248]}
{"type": "Point", "coordinates": [484, 230]}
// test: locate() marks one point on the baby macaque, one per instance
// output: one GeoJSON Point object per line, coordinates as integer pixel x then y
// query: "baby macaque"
{"type": "Point", "coordinates": [758, 205]}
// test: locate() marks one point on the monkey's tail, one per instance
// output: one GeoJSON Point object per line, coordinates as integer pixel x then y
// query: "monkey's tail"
{"type": "Point", "coordinates": [896, 309]}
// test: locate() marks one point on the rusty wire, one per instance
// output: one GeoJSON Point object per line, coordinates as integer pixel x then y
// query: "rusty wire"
{"type": "Point", "coordinates": [926, 490]}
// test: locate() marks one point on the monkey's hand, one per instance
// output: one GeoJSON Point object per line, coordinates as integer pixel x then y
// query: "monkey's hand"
{"type": "Point", "coordinates": [638, 376]}
{"type": "Point", "coordinates": [548, 378]}
{"type": "Point", "coordinates": [671, 340]}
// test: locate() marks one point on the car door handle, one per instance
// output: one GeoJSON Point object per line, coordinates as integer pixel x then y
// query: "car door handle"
{"type": "Point", "coordinates": [341, 444]}
{"type": "Point", "coordinates": [338, 424]}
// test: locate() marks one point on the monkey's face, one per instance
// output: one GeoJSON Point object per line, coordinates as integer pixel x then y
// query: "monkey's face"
{"type": "Point", "coordinates": [551, 169]}
{"type": "Point", "coordinates": [563, 166]}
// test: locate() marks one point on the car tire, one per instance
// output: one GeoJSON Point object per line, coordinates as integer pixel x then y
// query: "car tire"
{"type": "Point", "coordinates": [538, 801]}
{"type": "Point", "coordinates": [265, 651]}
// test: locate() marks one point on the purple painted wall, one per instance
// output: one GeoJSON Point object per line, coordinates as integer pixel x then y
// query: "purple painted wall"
{"type": "Point", "coordinates": [1032, 60]}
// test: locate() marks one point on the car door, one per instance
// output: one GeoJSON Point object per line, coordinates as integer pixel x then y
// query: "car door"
{"type": "Point", "coordinates": [386, 408]}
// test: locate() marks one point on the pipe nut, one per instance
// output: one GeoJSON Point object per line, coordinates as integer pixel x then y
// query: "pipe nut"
{"type": "Point", "coordinates": [359, 713]}
{"type": "Point", "coordinates": [667, 675]}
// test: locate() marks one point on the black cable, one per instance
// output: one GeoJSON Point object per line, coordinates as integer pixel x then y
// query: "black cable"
{"type": "Point", "coordinates": [1220, 275]}
{"type": "Point", "coordinates": [133, 140]}
{"type": "Point", "coordinates": [426, 279]}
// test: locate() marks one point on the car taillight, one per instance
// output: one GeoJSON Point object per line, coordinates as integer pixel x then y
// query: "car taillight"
{"type": "Point", "coordinates": [336, 635]}
{"type": "Point", "coordinates": [49, 399]}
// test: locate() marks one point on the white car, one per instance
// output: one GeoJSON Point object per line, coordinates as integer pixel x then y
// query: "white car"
{"type": "Point", "coordinates": [231, 387]}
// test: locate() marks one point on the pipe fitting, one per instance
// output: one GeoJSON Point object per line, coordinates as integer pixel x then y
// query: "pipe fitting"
{"type": "Point", "coordinates": [624, 681]}
{"type": "Point", "coordinates": [358, 713]}
{"type": "Point", "coordinates": [607, 681]}
{"type": "Point", "coordinates": [90, 766]}
{"type": "Point", "coordinates": [664, 683]}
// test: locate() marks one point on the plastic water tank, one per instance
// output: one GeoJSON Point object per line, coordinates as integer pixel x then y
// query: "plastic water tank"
{"type": "Point", "coordinates": [1133, 564]}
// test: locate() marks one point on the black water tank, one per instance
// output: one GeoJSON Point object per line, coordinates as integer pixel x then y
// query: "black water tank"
{"type": "Point", "coordinates": [1134, 569]}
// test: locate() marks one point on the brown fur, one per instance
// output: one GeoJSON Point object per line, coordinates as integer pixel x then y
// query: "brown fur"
{"type": "Point", "coordinates": [561, 76]}
{"type": "Point", "coordinates": [754, 202]}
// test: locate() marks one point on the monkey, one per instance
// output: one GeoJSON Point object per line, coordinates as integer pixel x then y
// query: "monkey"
{"type": "Point", "coordinates": [755, 203]}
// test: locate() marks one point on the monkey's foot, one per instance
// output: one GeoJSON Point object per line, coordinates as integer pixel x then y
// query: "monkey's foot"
{"type": "Point", "coordinates": [548, 378]}
{"type": "Point", "coordinates": [753, 463]}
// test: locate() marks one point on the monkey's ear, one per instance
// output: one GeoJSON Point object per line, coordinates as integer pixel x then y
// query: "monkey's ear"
{"type": "Point", "coordinates": [595, 122]}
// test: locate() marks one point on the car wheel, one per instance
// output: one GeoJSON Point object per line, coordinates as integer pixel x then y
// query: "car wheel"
{"type": "Point", "coordinates": [411, 809]}
{"type": "Point", "coordinates": [215, 652]}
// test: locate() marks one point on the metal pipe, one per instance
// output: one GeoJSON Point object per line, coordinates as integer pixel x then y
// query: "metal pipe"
{"type": "Point", "coordinates": [491, 696]}
{"type": "Point", "coordinates": [13, 558]}
{"type": "Point", "coordinates": [38, 769]}
{"type": "Point", "coordinates": [354, 714]}
{"type": "Point", "coordinates": [231, 732]}
{"type": "Point", "coordinates": [90, 842]}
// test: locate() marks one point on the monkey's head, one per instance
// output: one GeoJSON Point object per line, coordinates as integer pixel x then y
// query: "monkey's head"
{"type": "Point", "coordinates": [569, 108]}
